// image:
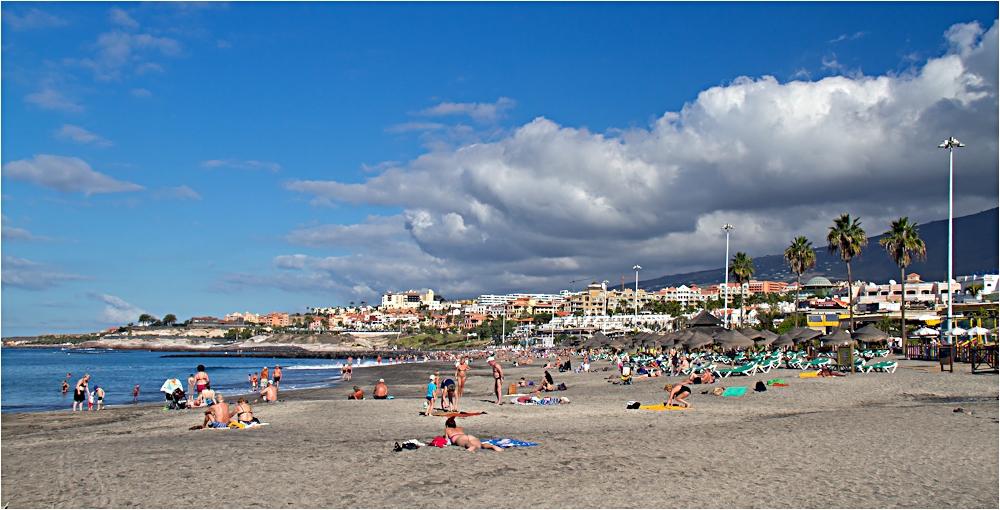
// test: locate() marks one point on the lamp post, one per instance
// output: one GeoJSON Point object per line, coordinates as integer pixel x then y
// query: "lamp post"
{"type": "Point", "coordinates": [950, 144]}
{"type": "Point", "coordinates": [725, 310]}
{"type": "Point", "coordinates": [635, 301]}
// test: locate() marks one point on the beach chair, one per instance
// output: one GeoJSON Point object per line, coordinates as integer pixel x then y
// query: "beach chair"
{"type": "Point", "coordinates": [815, 364]}
{"type": "Point", "coordinates": [747, 370]}
{"type": "Point", "coordinates": [883, 366]}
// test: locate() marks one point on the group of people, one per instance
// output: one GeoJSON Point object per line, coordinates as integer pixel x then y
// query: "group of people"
{"type": "Point", "coordinates": [381, 392]}
{"type": "Point", "coordinates": [220, 415]}
{"type": "Point", "coordinates": [82, 394]}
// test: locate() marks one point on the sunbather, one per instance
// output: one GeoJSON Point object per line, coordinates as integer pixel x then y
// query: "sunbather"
{"type": "Point", "coordinates": [357, 394]}
{"type": "Point", "coordinates": [218, 415]}
{"type": "Point", "coordinates": [705, 378]}
{"type": "Point", "coordinates": [458, 437]}
{"type": "Point", "coordinates": [678, 392]}
{"type": "Point", "coordinates": [826, 371]}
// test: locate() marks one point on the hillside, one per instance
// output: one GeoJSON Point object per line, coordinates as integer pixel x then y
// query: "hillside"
{"type": "Point", "coordinates": [977, 249]}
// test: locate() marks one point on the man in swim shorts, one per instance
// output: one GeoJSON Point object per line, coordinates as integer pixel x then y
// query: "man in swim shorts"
{"type": "Point", "coordinates": [269, 394]}
{"type": "Point", "coordinates": [277, 375]}
{"type": "Point", "coordinates": [218, 415]}
{"type": "Point", "coordinates": [497, 377]}
{"type": "Point", "coordinates": [99, 393]}
{"type": "Point", "coordinates": [381, 390]}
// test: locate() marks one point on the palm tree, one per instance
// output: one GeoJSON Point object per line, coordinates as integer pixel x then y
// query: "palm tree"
{"type": "Point", "coordinates": [742, 269]}
{"type": "Point", "coordinates": [800, 257]}
{"type": "Point", "coordinates": [903, 244]}
{"type": "Point", "coordinates": [847, 237]}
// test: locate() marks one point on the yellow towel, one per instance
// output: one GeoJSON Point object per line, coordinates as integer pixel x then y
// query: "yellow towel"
{"type": "Point", "coordinates": [809, 374]}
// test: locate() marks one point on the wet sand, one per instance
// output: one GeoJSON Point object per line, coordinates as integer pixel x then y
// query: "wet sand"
{"type": "Point", "coordinates": [868, 440]}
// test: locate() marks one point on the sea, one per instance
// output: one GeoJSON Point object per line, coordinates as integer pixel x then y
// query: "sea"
{"type": "Point", "coordinates": [31, 378]}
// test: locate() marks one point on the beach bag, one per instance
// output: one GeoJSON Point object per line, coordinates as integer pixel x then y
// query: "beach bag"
{"type": "Point", "coordinates": [632, 405]}
{"type": "Point", "coordinates": [561, 387]}
{"type": "Point", "coordinates": [439, 441]}
{"type": "Point", "coordinates": [760, 386]}
{"type": "Point", "coordinates": [512, 389]}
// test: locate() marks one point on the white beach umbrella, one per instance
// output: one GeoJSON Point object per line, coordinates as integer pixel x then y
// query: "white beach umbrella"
{"type": "Point", "coordinates": [976, 331]}
{"type": "Point", "coordinates": [926, 332]}
{"type": "Point", "coordinates": [927, 317]}
{"type": "Point", "coordinates": [957, 331]}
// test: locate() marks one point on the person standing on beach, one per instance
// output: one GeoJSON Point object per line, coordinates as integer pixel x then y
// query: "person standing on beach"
{"type": "Point", "coordinates": [99, 393]}
{"type": "Point", "coordinates": [135, 395]}
{"type": "Point", "coordinates": [349, 367]}
{"type": "Point", "coordinates": [431, 393]}
{"type": "Point", "coordinates": [497, 377]}
{"type": "Point", "coordinates": [191, 386]}
{"type": "Point", "coordinates": [253, 382]}
{"type": "Point", "coordinates": [80, 391]}
{"type": "Point", "coordinates": [461, 372]}
{"type": "Point", "coordinates": [264, 381]}
{"type": "Point", "coordinates": [276, 376]}
{"type": "Point", "coordinates": [201, 380]}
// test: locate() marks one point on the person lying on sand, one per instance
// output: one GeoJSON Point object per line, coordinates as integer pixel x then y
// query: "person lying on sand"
{"type": "Point", "coordinates": [678, 392]}
{"type": "Point", "coordinates": [705, 378]}
{"type": "Point", "coordinates": [357, 394]}
{"type": "Point", "coordinates": [458, 437]}
{"type": "Point", "coordinates": [826, 371]}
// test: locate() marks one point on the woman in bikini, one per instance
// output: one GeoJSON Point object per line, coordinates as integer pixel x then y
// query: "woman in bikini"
{"type": "Point", "coordinates": [244, 413]}
{"type": "Point", "coordinates": [458, 437]}
{"type": "Point", "coordinates": [461, 372]}
{"type": "Point", "coordinates": [678, 392]}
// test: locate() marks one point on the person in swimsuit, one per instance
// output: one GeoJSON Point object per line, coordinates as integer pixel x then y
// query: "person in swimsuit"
{"type": "Point", "coordinates": [218, 415]}
{"type": "Point", "coordinates": [269, 394]}
{"type": "Point", "coordinates": [431, 393]}
{"type": "Point", "coordinates": [264, 381]}
{"type": "Point", "coordinates": [458, 437]}
{"type": "Point", "coordinates": [349, 369]}
{"type": "Point", "coordinates": [497, 378]}
{"type": "Point", "coordinates": [450, 396]}
{"type": "Point", "coordinates": [678, 392]}
{"type": "Point", "coordinates": [381, 391]}
{"type": "Point", "coordinates": [80, 392]}
{"type": "Point", "coordinates": [461, 372]}
{"type": "Point", "coordinates": [357, 394]}
{"type": "Point", "coordinates": [135, 395]}
{"type": "Point", "coordinates": [244, 413]}
{"type": "Point", "coordinates": [705, 378]}
{"type": "Point", "coordinates": [201, 380]}
{"type": "Point", "coordinates": [277, 375]}
{"type": "Point", "coordinates": [99, 393]}
{"type": "Point", "coordinates": [65, 386]}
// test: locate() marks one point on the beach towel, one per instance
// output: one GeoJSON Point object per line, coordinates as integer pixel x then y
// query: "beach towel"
{"type": "Point", "coordinates": [735, 391]}
{"type": "Point", "coordinates": [663, 407]}
{"type": "Point", "coordinates": [809, 374]}
{"type": "Point", "coordinates": [508, 443]}
{"type": "Point", "coordinates": [776, 382]}
{"type": "Point", "coordinates": [462, 414]}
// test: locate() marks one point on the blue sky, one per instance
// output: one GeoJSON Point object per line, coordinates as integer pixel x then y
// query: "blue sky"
{"type": "Point", "coordinates": [208, 158]}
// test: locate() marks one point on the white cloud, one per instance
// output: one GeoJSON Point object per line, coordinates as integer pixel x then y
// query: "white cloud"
{"type": "Point", "coordinates": [119, 50]}
{"type": "Point", "coordinates": [67, 175]}
{"type": "Point", "coordinates": [81, 135]}
{"type": "Point", "coordinates": [249, 164]}
{"type": "Point", "coordinates": [28, 275]}
{"type": "Point", "coordinates": [846, 37]}
{"type": "Point", "coordinates": [32, 19]}
{"type": "Point", "coordinates": [51, 100]}
{"type": "Point", "coordinates": [480, 112]}
{"type": "Point", "coordinates": [141, 93]}
{"type": "Point", "coordinates": [223, 44]}
{"type": "Point", "coordinates": [18, 235]}
{"type": "Point", "coordinates": [118, 310]}
{"type": "Point", "coordinates": [415, 126]}
{"type": "Point", "coordinates": [120, 17]}
{"type": "Point", "coordinates": [177, 193]}
{"type": "Point", "coordinates": [548, 203]}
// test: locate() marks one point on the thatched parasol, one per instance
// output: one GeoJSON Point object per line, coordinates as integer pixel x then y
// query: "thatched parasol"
{"type": "Point", "coordinates": [730, 339]}
{"type": "Point", "coordinates": [697, 340]}
{"type": "Point", "coordinates": [752, 334]}
{"type": "Point", "coordinates": [870, 333]}
{"type": "Point", "coordinates": [838, 337]}
{"type": "Point", "coordinates": [766, 338]}
{"type": "Point", "coordinates": [784, 340]}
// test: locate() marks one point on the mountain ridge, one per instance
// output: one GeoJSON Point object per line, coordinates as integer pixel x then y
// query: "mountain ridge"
{"type": "Point", "coordinates": [976, 250]}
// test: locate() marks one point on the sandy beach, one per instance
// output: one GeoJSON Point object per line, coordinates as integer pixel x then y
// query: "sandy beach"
{"type": "Point", "coordinates": [867, 440]}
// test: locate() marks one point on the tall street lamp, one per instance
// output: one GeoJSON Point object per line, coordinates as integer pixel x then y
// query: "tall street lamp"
{"type": "Point", "coordinates": [725, 310]}
{"type": "Point", "coordinates": [635, 316]}
{"type": "Point", "coordinates": [950, 144]}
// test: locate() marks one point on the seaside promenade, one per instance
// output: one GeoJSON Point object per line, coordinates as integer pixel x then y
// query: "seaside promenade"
{"type": "Point", "coordinates": [867, 440]}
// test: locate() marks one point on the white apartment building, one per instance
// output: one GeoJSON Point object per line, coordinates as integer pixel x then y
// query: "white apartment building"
{"type": "Point", "coordinates": [408, 299]}
{"type": "Point", "coordinates": [684, 295]}
{"type": "Point", "coordinates": [492, 300]}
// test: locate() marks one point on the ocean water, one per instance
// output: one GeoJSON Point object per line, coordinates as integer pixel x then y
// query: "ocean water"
{"type": "Point", "coordinates": [31, 379]}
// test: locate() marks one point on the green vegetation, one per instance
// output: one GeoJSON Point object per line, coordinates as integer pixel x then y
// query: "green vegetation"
{"type": "Point", "coordinates": [438, 341]}
{"type": "Point", "coordinates": [847, 237]}
{"type": "Point", "coordinates": [902, 242]}
{"type": "Point", "coordinates": [800, 257]}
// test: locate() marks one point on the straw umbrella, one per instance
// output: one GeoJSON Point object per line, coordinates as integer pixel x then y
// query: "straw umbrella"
{"type": "Point", "coordinates": [838, 337]}
{"type": "Point", "coordinates": [869, 334]}
{"type": "Point", "coordinates": [766, 338]}
{"type": "Point", "coordinates": [697, 340]}
{"type": "Point", "coordinates": [752, 334]}
{"type": "Point", "coordinates": [784, 340]}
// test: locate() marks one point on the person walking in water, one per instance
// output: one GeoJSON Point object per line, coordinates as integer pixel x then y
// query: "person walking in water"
{"type": "Point", "coordinates": [135, 395]}
{"type": "Point", "coordinates": [65, 386]}
{"type": "Point", "coordinates": [80, 392]}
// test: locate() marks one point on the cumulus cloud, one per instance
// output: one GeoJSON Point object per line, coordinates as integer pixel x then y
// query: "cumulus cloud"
{"type": "Point", "coordinates": [120, 17]}
{"type": "Point", "coordinates": [81, 135]}
{"type": "Point", "coordinates": [177, 193]}
{"type": "Point", "coordinates": [249, 164]}
{"type": "Point", "coordinates": [32, 19]}
{"type": "Point", "coordinates": [141, 93]}
{"type": "Point", "coordinates": [547, 202]}
{"type": "Point", "coordinates": [67, 175]}
{"type": "Point", "coordinates": [29, 275]}
{"type": "Point", "coordinates": [480, 112]}
{"type": "Point", "coordinates": [118, 310]}
{"type": "Point", "coordinates": [18, 235]}
{"type": "Point", "coordinates": [415, 126]}
{"type": "Point", "coordinates": [52, 100]}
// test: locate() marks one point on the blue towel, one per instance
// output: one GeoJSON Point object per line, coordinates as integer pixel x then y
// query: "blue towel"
{"type": "Point", "coordinates": [508, 443]}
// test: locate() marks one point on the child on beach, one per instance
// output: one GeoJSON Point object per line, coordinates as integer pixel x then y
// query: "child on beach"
{"type": "Point", "coordinates": [431, 393]}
